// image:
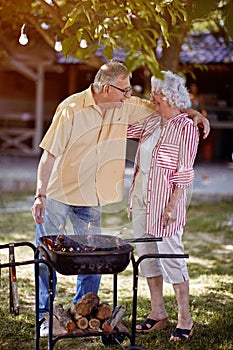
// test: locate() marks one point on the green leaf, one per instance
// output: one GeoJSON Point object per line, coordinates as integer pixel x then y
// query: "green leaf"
{"type": "Point", "coordinates": [108, 51]}
{"type": "Point", "coordinates": [71, 20]}
{"type": "Point", "coordinates": [69, 45]}
{"type": "Point", "coordinates": [79, 34]}
{"type": "Point", "coordinates": [87, 52]}
{"type": "Point", "coordinates": [134, 62]}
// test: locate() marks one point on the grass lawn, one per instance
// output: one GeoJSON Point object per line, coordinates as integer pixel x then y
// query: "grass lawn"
{"type": "Point", "coordinates": [208, 241]}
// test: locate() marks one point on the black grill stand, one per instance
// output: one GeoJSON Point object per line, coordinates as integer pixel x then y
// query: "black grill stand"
{"type": "Point", "coordinates": [136, 264]}
{"type": "Point", "coordinates": [12, 265]}
{"type": "Point", "coordinates": [115, 337]}
{"type": "Point", "coordinates": [109, 338]}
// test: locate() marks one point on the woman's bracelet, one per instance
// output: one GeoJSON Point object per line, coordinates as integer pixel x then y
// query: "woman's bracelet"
{"type": "Point", "coordinates": [40, 195]}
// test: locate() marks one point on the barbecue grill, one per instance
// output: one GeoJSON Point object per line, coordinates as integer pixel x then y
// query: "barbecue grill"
{"type": "Point", "coordinates": [86, 254]}
{"type": "Point", "coordinates": [96, 254]}
{"type": "Point", "coordinates": [58, 252]}
{"type": "Point", "coordinates": [91, 254]}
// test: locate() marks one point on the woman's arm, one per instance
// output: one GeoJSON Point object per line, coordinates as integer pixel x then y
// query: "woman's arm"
{"type": "Point", "coordinates": [170, 213]}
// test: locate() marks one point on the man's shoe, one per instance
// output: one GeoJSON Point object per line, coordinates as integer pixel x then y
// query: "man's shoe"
{"type": "Point", "coordinates": [44, 329]}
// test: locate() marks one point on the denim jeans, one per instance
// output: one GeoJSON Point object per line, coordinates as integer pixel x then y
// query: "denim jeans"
{"type": "Point", "coordinates": [55, 218]}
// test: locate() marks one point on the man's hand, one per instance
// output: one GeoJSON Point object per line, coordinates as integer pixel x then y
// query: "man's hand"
{"type": "Point", "coordinates": [199, 120]}
{"type": "Point", "coordinates": [38, 210]}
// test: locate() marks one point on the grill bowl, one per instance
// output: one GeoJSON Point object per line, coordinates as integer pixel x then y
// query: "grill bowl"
{"type": "Point", "coordinates": [111, 255]}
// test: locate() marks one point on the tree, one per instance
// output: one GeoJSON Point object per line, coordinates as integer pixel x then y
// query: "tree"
{"type": "Point", "coordinates": [135, 26]}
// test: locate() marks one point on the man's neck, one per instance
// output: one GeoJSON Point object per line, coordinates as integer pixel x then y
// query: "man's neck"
{"type": "Point", "coordinates": [103, 102]}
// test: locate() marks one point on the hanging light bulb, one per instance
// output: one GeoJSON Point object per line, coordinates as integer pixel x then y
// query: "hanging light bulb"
{"type": "Point", "coordinates": [83, 44]}
{"type": "Point", "coordinates": [23, 39]}
{"type": "Point", "coordinates": [58, 44]}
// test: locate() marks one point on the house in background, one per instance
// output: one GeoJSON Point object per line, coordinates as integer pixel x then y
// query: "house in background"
{"type": "Point", "coordinates": [211, 61]}
{"type": "Point", "coordinates": [34, 79]}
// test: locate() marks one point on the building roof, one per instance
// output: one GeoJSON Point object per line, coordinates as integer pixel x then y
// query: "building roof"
{"type": "Point", "coordinates": [199, 48]}
{"type": "Point", "coordinates": [206, 48]}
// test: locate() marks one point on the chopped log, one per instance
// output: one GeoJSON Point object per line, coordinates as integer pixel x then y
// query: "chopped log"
{"type": "Point", "coordinates": [82, 323]}
{"type": "Point", "coordinates": [64, 318]}
{"type": "Point", "coordinates": [94, 323]}
{"type": "Point", "coordinates": [72, 309]}
{"type": "Point", "coordinates": [121, 328]}
{"type": "Point", "coordinates": [104, 311]}
{"type": "Point", "coordinates": [72, 312]}
{"type": "Point", "coordinates": [85, 306]}
{"type": "Point", "coordinates": [76, 317]}
{"type": "Point", "coordinates": [58, 329]}
{"type": "Point", "coordinates": [117, 313]}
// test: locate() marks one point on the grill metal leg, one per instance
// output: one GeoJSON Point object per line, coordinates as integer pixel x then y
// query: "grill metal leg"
{"type": "Point", "coordinates": [136, 264]}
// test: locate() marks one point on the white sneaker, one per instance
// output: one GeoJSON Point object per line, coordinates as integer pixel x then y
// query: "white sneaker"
{"type": "Point", "coordinates": [44, 329]}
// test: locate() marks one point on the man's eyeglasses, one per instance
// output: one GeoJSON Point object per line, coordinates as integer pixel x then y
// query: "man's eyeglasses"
{"type": "Point", "coordinates": [124, 91]}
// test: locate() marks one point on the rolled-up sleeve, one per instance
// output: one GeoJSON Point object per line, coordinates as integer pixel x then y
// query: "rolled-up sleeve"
{"type": "Point", "coordinates": [183, 178]}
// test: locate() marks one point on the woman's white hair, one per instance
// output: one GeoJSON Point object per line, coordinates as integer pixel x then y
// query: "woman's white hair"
{"type": "Point", "coordinates": [172, 86]}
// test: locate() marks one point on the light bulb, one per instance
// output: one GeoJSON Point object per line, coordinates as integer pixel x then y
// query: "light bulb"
{"type": "Point", "coordinates": [23, 39]}
{"type": "Point", "coordinates": [83, 44]}
{"type": "Point", "coordinates": [58, 44]}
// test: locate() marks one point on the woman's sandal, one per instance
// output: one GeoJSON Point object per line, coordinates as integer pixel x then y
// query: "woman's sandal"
{"type": "Point", "coordinates": [149, 325]}
{"type": "Point", "coordinates": [181, 334]}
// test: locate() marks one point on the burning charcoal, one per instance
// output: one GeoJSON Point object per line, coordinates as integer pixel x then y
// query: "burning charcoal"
{"type": "Point", "coordinates": [50, 244]}
{"type": "Point", "coordinates": [72, 245]}
{"type": "Point", "coordinates": [60, 239]}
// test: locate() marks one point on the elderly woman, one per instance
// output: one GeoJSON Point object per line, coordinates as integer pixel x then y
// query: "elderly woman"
{"type": "Point", "coordinates": [163, 174]}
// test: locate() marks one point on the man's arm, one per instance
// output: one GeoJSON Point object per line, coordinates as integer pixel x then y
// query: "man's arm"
{"type": "Point", "coordinates": [200, 120]}
{"type": "Point", "coordinates": [45, 168]}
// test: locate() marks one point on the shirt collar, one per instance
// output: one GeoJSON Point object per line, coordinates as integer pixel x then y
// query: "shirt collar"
{"type": "Point", "coordinates": [89, 99]}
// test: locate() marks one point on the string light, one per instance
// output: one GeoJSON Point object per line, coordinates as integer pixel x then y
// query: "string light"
{"type": "Point", "coordinates": [83, 44]}
{"type": "Point", "coordinates": [58, 44]}
{"type": "Point", "coordinates": [23, 39]}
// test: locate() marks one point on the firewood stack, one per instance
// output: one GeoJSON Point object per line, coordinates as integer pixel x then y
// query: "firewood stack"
{"type": "Point", "coordinates": [88, 315]}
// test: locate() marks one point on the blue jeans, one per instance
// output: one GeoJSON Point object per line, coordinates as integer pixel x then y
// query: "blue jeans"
{"type": "Point", "coordinates": [55, 218]}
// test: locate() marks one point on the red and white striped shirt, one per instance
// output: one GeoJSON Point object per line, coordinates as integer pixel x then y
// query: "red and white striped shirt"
{"type": "Point", "coordinates": [171, 165]}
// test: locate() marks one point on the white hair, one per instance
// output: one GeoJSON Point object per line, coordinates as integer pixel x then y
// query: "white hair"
{"type": "Point", "coordinates": [172, 86]}
{"type": "Point", "coordinates": [109, 73]}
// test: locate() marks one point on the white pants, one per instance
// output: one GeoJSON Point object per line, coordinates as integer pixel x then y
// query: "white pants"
{"type": "Point", "coordinates": [174, 270]}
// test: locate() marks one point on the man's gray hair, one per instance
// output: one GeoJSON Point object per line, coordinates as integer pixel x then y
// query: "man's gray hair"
{"type": "Point", "coordinates": [172, 86]}
{"type": "Point", "coordinates": [109, 73]}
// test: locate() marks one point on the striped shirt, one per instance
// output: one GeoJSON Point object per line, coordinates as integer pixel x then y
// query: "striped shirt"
{"type": "Point", "coordinates": [171, 165]}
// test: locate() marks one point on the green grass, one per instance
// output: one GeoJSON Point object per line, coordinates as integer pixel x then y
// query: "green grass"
{"type": "Point", "coordinates": [208, 241]}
